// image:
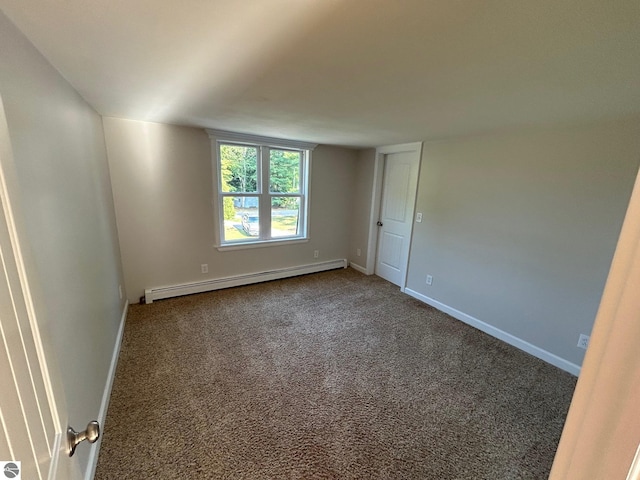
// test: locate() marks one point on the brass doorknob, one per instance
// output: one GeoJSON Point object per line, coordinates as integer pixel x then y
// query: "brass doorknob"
{"type": "Point", "coordinates": [91, 434]}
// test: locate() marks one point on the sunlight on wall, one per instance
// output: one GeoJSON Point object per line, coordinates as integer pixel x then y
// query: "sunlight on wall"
{"type": "Point", "coordinates": [241, 43]}
{"type": "Point", "coordinates": [150, 158]}
{"type": "Point", "coordinates": [147, 156]}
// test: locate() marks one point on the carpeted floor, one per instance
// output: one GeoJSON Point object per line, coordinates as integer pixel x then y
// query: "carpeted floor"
{"type": "Point", "coordinates": [331, 375]}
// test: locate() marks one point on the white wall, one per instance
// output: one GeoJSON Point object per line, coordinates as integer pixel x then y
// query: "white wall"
{"type": "Point", "coordinates": [519, 229]}
{"type": "Point", "coordinates": [163, 192]}
{"type": "Point", "coordinates": [362, 194]}
{"type": "Point", "coordinates": [601, 435]}
{"type": "Point", "coordinates": [69, 222]}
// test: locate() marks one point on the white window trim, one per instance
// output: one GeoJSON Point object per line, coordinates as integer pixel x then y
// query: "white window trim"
{"type": "Point", "coordinates": [220, 136]}
{"type": "Point", "coordinates": [262, 243]}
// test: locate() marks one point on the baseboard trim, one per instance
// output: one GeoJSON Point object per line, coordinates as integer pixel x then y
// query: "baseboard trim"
{"type": "Point", "coordinates": [102, 415]}
{"type": "Point", "coordinates": [152, 294]}
{"type": "Point", "coordinates": [358, 268]}
{"type": "Point", "coordinates": [499, 334]}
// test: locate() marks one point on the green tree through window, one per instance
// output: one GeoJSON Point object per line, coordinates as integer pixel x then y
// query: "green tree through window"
{"type": "Point", "coordinates": [262, 192]}
{"type": "Point", "coordinates": [239, 168]}
{"type": "Point", "coordinates": [284, 176]}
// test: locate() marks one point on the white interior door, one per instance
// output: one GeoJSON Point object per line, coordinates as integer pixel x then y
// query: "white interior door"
{"type": "Point", "coordinates": [30, 425]}
{"type": "Point", "coordinates": [399, 184]}
{"type": "Point", "coordinates": [27, 421]}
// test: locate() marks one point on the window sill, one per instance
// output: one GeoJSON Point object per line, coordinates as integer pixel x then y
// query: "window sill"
{"type": "Point", "coordinates": [260, 244]}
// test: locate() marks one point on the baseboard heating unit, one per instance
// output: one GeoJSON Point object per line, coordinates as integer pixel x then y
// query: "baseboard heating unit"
{"type": "Point", "coordinates": [159, 293]}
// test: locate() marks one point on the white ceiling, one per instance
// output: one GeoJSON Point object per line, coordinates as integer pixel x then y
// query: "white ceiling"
{"type": "Point", "coordinates": [346, 72]}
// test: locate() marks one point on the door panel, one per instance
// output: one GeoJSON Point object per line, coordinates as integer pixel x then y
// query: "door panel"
{"type": "Point", "coordinates": [396, 188]}
{"type": "Point", "coordinates": [30, 421]}
{"type": "Point", "coordinates": [25, 410]}
{"type": "Point", "coordinates": [391, 248]}
{"type": "Point", "coordinates": [396, 214]}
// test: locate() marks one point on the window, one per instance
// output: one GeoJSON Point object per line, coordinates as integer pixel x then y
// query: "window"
{"type": "Point", "coordinates": [262, 189]}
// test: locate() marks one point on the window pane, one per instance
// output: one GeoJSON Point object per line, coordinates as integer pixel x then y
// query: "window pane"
{"type": "Point", "coordinates": [284, 171]}
{"type": "Point", "coordinates": [285, 216]}
{"type": "Point", "coordinates": [241, 218]}
{"type": "Point", "coordinates": [238, 168]}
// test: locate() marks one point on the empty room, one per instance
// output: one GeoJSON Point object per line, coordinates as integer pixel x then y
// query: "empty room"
{"type": "Point", "coordinates": [310, 239]}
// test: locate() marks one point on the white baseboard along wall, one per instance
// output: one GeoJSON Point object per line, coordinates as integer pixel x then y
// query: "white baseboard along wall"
{"type": "Point", "coordinates": [499, 334]}
{"type": "Point", "coordinates": [106, 396]}
{"type": "Point", "coordinates": [358, 268]}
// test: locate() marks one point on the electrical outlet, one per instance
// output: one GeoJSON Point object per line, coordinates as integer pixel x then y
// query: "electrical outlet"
{"type": "Point", "coordinates": [429, 280]}
{"type": "Point", "coordinates": [204, 268]}
{"type": "Point", "coordinates": [120, 291]}
{"type": "Point", "coordinates": [418, 217]}
{"type": "Point", "coordinates": [358, 252]}
{"type": "Point", "coordinates": [316, 253]}
{"type": "Point", "coordinates": [583, 341]}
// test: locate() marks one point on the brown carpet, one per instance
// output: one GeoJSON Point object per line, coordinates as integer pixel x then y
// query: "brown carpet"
{"type": "Point", "coordinates": [332, 375]}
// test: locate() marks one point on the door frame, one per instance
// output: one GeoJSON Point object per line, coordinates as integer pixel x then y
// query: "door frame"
{"type": "Point", "coordinates": [376, 203]}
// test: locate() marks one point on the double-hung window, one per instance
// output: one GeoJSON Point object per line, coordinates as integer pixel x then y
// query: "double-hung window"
{"type": "Point", "coordinates": [262, 189]}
